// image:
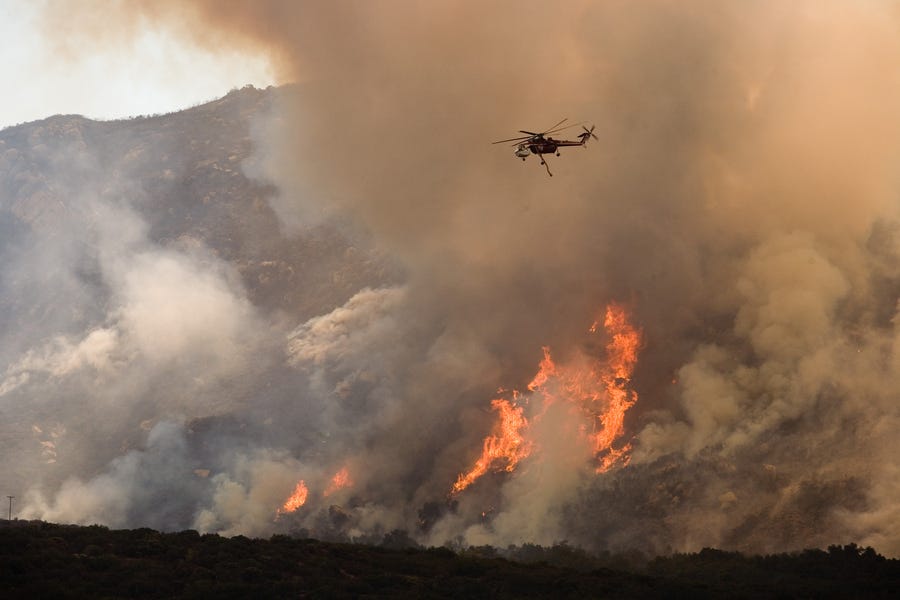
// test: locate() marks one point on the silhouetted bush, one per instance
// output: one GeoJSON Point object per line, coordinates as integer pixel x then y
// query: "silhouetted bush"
{"type": "Point", "coordinates": [42, 560]}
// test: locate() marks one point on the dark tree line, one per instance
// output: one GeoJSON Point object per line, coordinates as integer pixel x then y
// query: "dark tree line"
{"type": "Point", "coordinates": [66, 561]}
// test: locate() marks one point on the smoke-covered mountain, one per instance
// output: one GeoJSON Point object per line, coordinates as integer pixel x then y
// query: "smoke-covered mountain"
{"type": "Point", "coordinates": [147, 289]}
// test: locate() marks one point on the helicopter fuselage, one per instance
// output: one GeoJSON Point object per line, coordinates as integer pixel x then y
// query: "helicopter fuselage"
{"type": "Point", "coordinates": [543, 146]}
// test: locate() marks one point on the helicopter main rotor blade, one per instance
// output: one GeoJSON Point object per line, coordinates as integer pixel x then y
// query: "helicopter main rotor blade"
{"type": "Point", "coordinates": [535, 136]}
{"type": "Point", "coordinates": [552, 131]}
{"type": "Point", "coordinates": [555, 126]}
{"type": "Point", "coordinates": [519, 139]}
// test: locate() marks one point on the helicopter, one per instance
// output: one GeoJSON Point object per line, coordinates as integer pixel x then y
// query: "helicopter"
{"type": "Point", "coordinates": [541, 143]}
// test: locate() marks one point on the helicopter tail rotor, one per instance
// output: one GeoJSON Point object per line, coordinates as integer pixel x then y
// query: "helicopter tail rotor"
{"type": "Point", "coordinates": [588, 133]}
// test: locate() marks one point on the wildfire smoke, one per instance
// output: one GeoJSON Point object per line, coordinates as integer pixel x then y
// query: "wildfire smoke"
{"type": "Point", "coordinates": [744, 194]}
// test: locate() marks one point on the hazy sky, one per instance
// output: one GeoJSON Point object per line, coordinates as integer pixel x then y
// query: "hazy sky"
{"type": "Point", "coordinates": [156, 74]}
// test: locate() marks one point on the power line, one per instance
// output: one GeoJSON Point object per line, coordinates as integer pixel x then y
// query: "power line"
{"type": "Point", "coordinates": [10, 507]}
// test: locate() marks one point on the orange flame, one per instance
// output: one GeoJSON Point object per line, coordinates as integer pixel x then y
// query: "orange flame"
{"type": "Point", "coordinates": [508, 445]}
{"type": "Point", "coordinates": [621, 358]}
{"type": "Point", "coordinates": [297, 499]}
{"type": "Point", "coordinates": [598, 389]}
{"type": "Point", "coordinates": [340, 481]}
{"type": "Point", "coordinates": [546, 370]}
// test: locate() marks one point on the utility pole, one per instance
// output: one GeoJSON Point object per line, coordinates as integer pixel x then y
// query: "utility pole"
{"type": "Point", "coordinates": [10, 508]}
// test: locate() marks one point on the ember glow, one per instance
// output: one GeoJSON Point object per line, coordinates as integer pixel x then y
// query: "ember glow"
{"type": "Point", "coordinates": [296, 500]}
{"type": "Point", "coordinates": [598, 389]}
{"type": "Point", "coordinates": [340, 481]}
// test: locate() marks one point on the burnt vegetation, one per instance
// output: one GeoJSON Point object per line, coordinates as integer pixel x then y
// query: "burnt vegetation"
{"type": "Point", "coordinates": [39, 559]}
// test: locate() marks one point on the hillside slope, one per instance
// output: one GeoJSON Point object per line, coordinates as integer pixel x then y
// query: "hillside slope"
{"type": "Point", "coordinates": [147, 279]}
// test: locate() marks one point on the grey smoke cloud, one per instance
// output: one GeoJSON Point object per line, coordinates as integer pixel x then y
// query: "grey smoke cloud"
{"type": "Point", "coordinates": [742, 199]}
